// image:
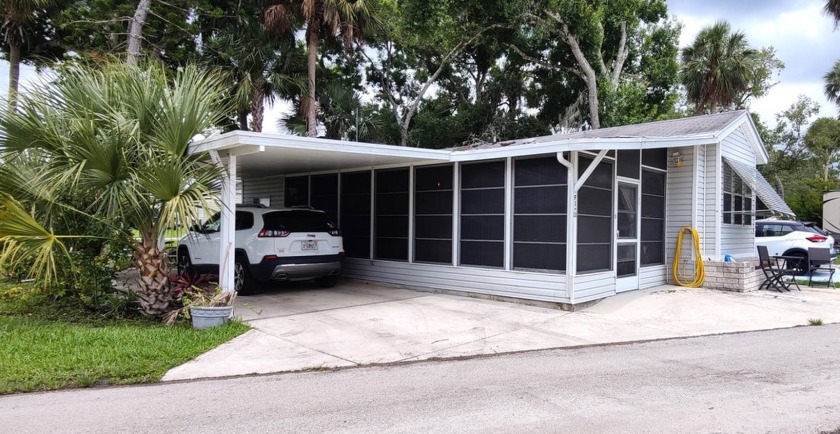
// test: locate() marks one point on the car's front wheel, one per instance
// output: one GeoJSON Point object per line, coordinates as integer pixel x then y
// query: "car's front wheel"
{"type": "Point", "coordinates": [184, 263]}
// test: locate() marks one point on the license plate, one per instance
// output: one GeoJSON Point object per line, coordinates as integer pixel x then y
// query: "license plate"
{"type": "Point", "coordinates": [309, 245]}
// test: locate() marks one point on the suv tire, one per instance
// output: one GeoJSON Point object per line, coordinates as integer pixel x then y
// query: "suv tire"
{"type": "Point", "coordinates": [242, 280]}
{"type": "Point", "coordinates": [326, 281]}
{"type": "Point", "coordinates": [184, 265]}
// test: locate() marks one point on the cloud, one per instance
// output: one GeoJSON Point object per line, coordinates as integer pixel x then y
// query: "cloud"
{"type": "Point", "coordinates": [801, 34]}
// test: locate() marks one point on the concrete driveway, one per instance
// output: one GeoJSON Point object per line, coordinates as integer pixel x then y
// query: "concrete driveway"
{"type": "Point", "coordinates": [356, 323]}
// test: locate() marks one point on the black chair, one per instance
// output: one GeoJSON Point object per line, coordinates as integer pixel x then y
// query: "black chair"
{"type": "Point", "coordinates": [819, 261]}
{"type": "Point", "coordinates": [774, 274]}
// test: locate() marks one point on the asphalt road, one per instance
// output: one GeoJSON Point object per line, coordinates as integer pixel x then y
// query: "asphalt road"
{"type": "Point", "coordinates": [785, 381]}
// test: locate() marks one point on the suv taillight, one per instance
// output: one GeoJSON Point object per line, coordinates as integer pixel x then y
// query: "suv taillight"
{"type": "Point", "coordinates": [816, 239]}
{"type": "Point", "coordinates": [273, 233]}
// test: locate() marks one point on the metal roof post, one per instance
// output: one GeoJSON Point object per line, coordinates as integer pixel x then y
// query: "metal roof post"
{"type": "Point", "coordinates": [228, 228]}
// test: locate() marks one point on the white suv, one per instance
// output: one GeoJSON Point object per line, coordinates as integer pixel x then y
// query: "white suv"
{"type": "Point", "coordinates": [790, 238]}
{"type": "Point", "coordinates": [271, 245]}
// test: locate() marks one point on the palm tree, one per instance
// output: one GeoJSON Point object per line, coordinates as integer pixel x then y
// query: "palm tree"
{"type": "Point", "coordinates": [832, 83]}
{"type": "Point", "coordinates": [716, 67]}
{"type": "Point", "coordinates": [346, 20]}
{"type": "Point", "coordinates": [259, 69]}
{"type": "Point", "coordinates": [18, 16]}
{"type": "Point", "coordinates": [832, 9]}
{"type": "Point", "coordinates": [114, 138]}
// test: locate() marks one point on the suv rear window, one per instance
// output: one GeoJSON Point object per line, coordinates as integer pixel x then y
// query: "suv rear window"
{"type": "Point", "coordinates": [297, 221]}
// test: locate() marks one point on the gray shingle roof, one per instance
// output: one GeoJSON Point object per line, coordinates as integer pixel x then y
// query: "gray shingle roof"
{"type": "Point", "coordinates": [691, 126]}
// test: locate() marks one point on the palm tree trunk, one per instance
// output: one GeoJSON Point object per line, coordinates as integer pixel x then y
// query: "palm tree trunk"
{"type": "Point", "coordinates": [153, 294]}
{"type": "Point", "coordinates": [313, 34]}
{"type": "Point", "coordinates": [14, 74]}
{"type": "Point", "coordinates": [257, 103]}
{"type": "Point", "coordinates": [135, 31]}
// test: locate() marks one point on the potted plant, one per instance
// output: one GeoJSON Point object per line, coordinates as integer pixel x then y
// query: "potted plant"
{"type": "Point", "coordinates": [205, 305]}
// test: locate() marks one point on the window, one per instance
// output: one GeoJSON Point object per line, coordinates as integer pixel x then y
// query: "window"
{"type": "Point", "coordinates": [539, 214]}
{"type": "Point", "coordinates": [595, 223]}
{"type": "Point", "coordinates": [391, 219]}
{"type": "Point", "coordinates": [773, 230]}
{"type": "Point", "coordinates": [244, 220]}
{"type": "Point", "coordinates": [433, 214]}
{"type": "Point", "coordinates": [737, 198]}
{"type": "Point", "coordinates": [653, 218]}
{"type": "Point", "coordinates": [483, 214]}
{"type": "Point", "coordinates": [355, 214]}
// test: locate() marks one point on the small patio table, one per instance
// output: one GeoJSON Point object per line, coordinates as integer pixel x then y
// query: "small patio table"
{"type": "Point", "coordinates": [787, 270]}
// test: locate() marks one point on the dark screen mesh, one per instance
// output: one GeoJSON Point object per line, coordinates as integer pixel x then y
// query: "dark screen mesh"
{"type": "Point", "coordinates": [392, 214]}
{"type": "Point", "coordinates": [297, 191]}
{"type": "Point", "coordinates": [595, 205]}
{"type": "Point", "coordinates": [653, 218]}
{"type": "Point", "coordinates": [539, 214]}
{"type": "Point", "coordinates": [482, 214]}
{"type": "Point", "coordinates": [355, 213]}
{"type": "Point", "coordinates": [433, 214]}
{"type": "Point", "coordinates": [657, 158]}
{"type": "Point", "coordinates": [323, 194]}
{"type": "Point", "coordinates": [628, 164]}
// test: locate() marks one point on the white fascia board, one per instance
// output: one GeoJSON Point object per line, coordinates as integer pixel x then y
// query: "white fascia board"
{"type": "Point", "coordinates": [271, 140]}
{"type": "Point", "coordinates": [584, 145]}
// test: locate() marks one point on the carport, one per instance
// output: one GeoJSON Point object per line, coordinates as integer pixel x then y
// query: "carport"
{"type": "Point", "coordinates": [253, 155]}
{"type": "Point", "coordinates": [566, 218]}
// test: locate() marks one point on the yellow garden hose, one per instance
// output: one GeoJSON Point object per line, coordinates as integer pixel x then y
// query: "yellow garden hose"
{"type": "Point", "coordinates": [699, 269]}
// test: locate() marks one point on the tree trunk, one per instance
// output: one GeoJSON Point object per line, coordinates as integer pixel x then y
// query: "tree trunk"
{"type": "Point", "coordinates": [257, 103]}
{"type": "Point", "coordinates": [313, 34]}
{"type": "Point", "coordinates": [242, 117]}
{"type": "Point", "coordinates": [135, 31]}
{"type": "Point", "coordinates": [14, 74]}
{"type": "Point", "coordinates": [153, 294]}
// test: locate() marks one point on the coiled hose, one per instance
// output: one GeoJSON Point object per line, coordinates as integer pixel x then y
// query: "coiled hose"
{"type": "Point", "coordinates": [699, 269]}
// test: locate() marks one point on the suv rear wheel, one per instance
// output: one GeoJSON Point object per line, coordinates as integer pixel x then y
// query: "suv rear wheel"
{"type": "Point", "coordinates": [326, 281]}
{"type": "Point", "coordinates": [242, 280]}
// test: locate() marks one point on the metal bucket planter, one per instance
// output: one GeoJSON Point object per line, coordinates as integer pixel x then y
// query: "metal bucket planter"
{"type": "Point", "coordinates": [205, 317]}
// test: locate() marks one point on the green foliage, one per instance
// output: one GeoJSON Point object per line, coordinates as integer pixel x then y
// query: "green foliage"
{"type": "Point", "coordinates": [38, 354]}
{"type": "Point", "coordinates": [110, 146]}
{"type": "Point", "coordinates": [832, 83]}
{"type": "Point", "coordinates": [823, 141]}
{"type": "Point", "coordinates": [815, 321]}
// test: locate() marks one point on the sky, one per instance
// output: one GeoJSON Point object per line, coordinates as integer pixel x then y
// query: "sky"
{"type": "Point", "coordinates": [804, 39]}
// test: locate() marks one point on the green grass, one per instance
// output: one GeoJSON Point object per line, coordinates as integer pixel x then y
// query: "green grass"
{"type": "Point", "coordinates": [51, 343]}
{"type": "Point", "coordinates": [815, 321]}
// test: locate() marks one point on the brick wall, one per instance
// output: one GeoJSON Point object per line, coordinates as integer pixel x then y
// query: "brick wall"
{"type": "Point", "coordinates": [739, 276]}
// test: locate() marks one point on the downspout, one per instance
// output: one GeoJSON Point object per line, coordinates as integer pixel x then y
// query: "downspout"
{"type": "Point", "coordinates": [571, 222]}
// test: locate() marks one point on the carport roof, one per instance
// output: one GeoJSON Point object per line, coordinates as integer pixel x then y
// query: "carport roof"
{"type": "Point", "coordinates": [267, 154]}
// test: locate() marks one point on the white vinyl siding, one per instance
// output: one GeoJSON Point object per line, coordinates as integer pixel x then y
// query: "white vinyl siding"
{"type": "Point", "coordinates": [593, 286]}
{"type": "Point", "coordinates": [679, 204]}
{"type": "Point", "coordinates": [735, 240]}
{"type": "Point", "coordinates": [708, 184]}
{"type": "Point", "coordinates": [504, 283]}
{"type": "Point", "coordinates": [650, 277]}
{"type": "Point", "coordinates": [272, 187]}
